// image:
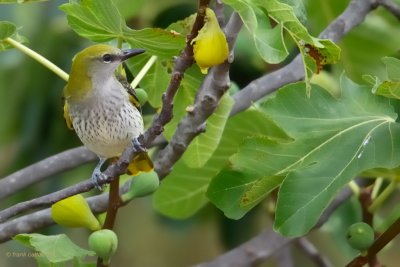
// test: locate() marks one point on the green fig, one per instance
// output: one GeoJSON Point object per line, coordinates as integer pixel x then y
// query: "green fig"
{"type": "Point", "coordinates": [104, 242]}
{"type": "Point", "coordinates": [360, 236]}
{"type": "Point", "coordinates": [144, 184]}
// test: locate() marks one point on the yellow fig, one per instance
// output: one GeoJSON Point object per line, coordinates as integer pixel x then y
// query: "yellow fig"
{"type": "Point", "coordinates": [210, 47]}
{"type": "Point", "coordinates": [74, 211]}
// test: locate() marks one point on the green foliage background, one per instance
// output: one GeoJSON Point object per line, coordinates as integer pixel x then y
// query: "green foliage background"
{"type": "Point", "coordinates": [32, 128]}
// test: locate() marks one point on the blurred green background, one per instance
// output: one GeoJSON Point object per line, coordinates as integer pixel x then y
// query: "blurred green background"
{"type": "Point", "coordinates": [32, 128]}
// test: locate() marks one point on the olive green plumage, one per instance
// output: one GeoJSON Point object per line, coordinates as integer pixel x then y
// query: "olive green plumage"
{"type": "Point", "coordinates": [101, 107]}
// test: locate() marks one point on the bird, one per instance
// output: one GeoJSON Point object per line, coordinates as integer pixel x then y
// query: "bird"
{"type": "Point", "coordinates": [102, 108]}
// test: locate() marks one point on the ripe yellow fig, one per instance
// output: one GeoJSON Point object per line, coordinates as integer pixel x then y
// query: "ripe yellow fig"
{"type": "Point", "coordinates": [210, 47]}
{"type": "Point", "coordinates": [74, 211]}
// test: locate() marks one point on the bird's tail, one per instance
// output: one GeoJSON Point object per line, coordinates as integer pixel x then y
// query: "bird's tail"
{"type": "Point", "coordinates": [140, 163]}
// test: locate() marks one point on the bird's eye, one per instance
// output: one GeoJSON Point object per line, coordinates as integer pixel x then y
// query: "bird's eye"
{"type": "Point", "coordinates": [107, 58]}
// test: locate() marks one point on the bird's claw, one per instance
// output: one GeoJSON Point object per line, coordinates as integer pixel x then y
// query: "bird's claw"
{"type": "Point", "coordinates": [138, 146]}
{"type": "Point", "coordinates": [97, 178]}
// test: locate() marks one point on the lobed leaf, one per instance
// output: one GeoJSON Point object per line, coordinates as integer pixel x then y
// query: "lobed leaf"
{"type": "Point", "coordinates": [183, 192]}
{"type": "Point", "coordinates": [268, 41]}
{"type": "Point", "coordinates": [334, 140]}
{"type": "Point", "coordinates": [100, 21]}
{"type": "Point", "coordinates": [203, 146]}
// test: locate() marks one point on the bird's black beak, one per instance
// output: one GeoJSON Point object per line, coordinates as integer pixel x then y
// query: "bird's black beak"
{"type": "Point", "coordinates": [128, 53]}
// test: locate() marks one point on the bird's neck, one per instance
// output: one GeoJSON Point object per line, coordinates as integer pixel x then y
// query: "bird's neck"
{"type": "Point", "coordinates": [83, 86]}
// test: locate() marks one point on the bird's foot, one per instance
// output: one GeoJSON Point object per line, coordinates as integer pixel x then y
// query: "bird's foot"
{"type": "Point", "coordinates": [97, 175]}
{"type": "Point", "coordinates": [97, 178]}
{"type": "Point", "coordinates": [138, 146]}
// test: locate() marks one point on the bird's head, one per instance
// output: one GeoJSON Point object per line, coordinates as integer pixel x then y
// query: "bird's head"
{"type": "Point", "coordinates": [96, 63]}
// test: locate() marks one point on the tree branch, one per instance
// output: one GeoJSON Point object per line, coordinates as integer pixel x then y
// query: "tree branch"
{"type": "Point", "coordinates": [312, 252]}
{"type": "Point", "coordinates": [212, 89]}
{"type": "Point", "coordinates": [183, 62]}
{"type": "Point", "coordinates": [260, 248]}
{"type": "Point", "coordinates": [37, 172]}
{"type": "Point", "coordinates": [377, 246]}
{"type": "Point", "coordinates": [391, 7]}
{"type": "Point", "coordinates": [352, 16]}
{"type": "Point", "coordinates": [39, 219]}
{"type": "Point", "coordinates": [119, 167]}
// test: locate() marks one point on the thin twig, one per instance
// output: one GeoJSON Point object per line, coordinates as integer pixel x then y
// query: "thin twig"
{"type": "Point", "coordinates": [312, 252]}
{"type": "Point", "coordinates": [391, 7]}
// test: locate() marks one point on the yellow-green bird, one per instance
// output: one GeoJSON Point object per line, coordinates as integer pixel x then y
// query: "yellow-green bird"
{"type": "Point", "coordinates": [102, 107]}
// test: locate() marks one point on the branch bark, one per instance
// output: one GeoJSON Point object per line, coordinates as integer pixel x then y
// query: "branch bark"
{"type": "Point", "coordinates": [212, 89]}
{"type": "Point", "coordinates": [265, 245]}
{"type": "Point", "coordinates": [350, 18]}
{"type": "Point", "coordinates": [40, 219]}
{"type": "Point", "coordinates": [43, 169]}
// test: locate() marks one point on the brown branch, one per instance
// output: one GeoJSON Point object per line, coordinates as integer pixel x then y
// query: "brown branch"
{"type": "Point", "coordinates": [114, 203]}
{"type": "Point", "coordinates": [183, 62]}
{"type": "Point", "coordinates": [378, 245]}
{"type": "Point", "coordinates": [367, 217]}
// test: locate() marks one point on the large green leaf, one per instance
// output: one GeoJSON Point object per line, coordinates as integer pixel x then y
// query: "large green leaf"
{"type": "Point", "coordinates": [229, 186]}
{"type": "Point", "coordinates": [100, 21]}
{"type": "Point", "coordinates": [268, 40]}
{"type": "Point", "coordinates": [204, 145]}
{"type": "Point", "coordinates": [182, 192]}
{"type": "Point", "coordinates": [334, 140]}
{"type": "Point", "coordinates": [55, 248]}
{"type": "Point", "coordinates": [316, 52]}
{"type": "Point", "coordinates": [156, 80]}
{"type": "Point", "coordinates": [156, 41]}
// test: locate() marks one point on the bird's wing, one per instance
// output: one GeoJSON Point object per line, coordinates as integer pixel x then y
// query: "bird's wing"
{"type": "Point", "coordinates": [67, 118]}
{"type": "Point", "coordinates": [132, 95]}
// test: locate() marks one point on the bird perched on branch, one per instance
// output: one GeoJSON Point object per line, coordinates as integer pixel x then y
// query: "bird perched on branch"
{"type": "Point", "coordinates": [102, 107]}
